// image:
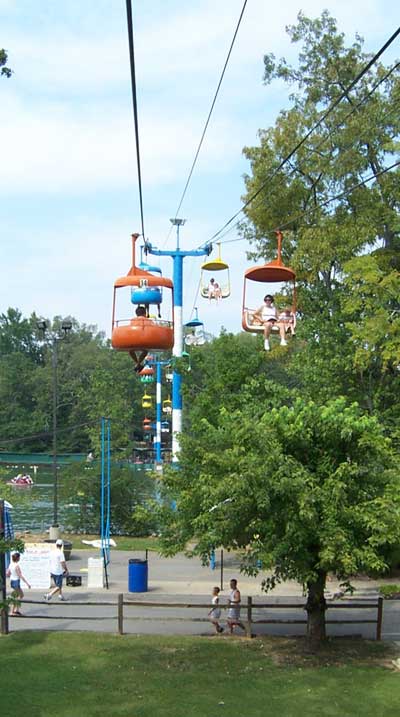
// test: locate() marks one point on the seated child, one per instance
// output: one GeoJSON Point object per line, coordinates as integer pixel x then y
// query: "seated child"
{"type": "Point", "coordinates": [287, 318]}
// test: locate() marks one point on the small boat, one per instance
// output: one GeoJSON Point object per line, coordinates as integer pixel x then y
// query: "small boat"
{"type": "Point", "coordinates": [21, 480]}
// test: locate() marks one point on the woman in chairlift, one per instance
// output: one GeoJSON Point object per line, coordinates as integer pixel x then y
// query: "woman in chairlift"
{"type": "Point", "coordinates": [267, 314]}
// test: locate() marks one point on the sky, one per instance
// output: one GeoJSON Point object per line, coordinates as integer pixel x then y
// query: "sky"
{"type": "Point", "coordinates": [69, 196]}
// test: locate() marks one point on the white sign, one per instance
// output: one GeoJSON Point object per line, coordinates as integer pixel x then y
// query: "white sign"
{"type": "Point", "coordinates": [35, 565]}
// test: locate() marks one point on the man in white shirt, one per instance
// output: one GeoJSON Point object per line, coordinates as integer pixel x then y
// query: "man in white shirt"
{"type": "Point", "coordinates": [58, 568]}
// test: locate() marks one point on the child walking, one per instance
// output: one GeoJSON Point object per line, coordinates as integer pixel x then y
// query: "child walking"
{"type": "Point", "coordinates": [215, 612]}
{"type": "Point", "coordinates": [15, 574]}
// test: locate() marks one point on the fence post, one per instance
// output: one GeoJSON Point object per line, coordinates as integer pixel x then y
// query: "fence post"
{"type": "Point", "coordinates": [3, 582]}
{"type": "Point", "coordinates": [120, 614]}
{"type": "Point", "coordinates": [248, 623]}
{"type": "Point", "coordinates": [379, 619]}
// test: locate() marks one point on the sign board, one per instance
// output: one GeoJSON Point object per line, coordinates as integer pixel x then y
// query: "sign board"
{"type": "Point", "coordinates": [35, 565]}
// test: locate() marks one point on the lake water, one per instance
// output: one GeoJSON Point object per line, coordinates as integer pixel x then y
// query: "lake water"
{"type": "Point", "coordinates": [36, 513]}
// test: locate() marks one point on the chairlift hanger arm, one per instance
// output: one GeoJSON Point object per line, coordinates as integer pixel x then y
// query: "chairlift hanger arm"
{"type": "Point", "coordinates": [191, 252]}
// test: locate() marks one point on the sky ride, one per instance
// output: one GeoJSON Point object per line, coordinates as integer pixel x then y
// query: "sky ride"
{"type": "Point", "coordinates": [276, 277]}
{"type": "Point", "coordinates": [211, 288]}
{"type": "Point", "coordinates": [194, 331]}
{"type": "Point", "coordinates": [142, 333]}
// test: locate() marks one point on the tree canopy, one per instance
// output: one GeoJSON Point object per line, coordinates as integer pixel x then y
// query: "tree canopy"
{"type": "Point", "coordinates": [292, 456]}
{"type": "Point", "coordinates": [5, 71]}
{"type": "Point", "coordinates": [93, 381]}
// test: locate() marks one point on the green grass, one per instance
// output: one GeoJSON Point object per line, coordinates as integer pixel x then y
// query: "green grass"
{"type": "Point", "coordinates": [389, 591]}
{"type": "Point", "coordinates": [74, 674]}
{"type": "Point", "coordinates": [124, 542]}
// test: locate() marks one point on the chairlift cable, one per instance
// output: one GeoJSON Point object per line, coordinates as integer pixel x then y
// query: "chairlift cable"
{"type": "Point", "coordinates": [211, 109]}
{"type": "Point", "coordinates": [345, 92]}
{"type": "Point", "coordinates": [341, 195]}
{"type": "Point", "coordinates": [134, 101]}
{"type": "Point", "coordinates": [208, 118]}
{"type": "Point", "coordinates": [195, 300]}
{"type": "Point", "coordinates": [323, 140]}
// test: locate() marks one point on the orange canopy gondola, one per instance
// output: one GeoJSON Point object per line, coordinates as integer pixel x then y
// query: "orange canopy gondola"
{"type": "Point", "coordinates": [273, 272]}
{"type": "Point", "coordinates": [141, 333]}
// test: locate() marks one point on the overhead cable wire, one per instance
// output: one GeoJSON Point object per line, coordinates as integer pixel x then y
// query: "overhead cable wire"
{"type": "Point", "coordinates": [330, 109]}
{"type": "Point", "coordinates": [354, 108]}
{"type": "Point", "coordinates": [324, 139]}
{"type": "Point", "coordinates": [349, 147]}
{"type": "Point", "coordinates": [323, 204]}
{"type": "Point", "coordinates": [195, 300]}
{"type": "Point", "coordinates": [209, 116]}
{"type": "Point", "coordinates": [47, 434]}
{"type": "Point", "coordinates": [135, 107]}
{"type": "Point", "coordinates": [341, 195]}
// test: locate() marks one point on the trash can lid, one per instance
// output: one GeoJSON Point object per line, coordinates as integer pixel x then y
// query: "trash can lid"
{"type": "Point", "coordinates": [137, 560]}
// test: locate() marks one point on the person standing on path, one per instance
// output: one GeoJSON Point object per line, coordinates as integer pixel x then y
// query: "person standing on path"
{"type": "Point", "coordinates": [215, 612]}
{"type": "Point", "coordinates": [58, 568]}
{"type": "Point", "coordinates": [234, 609]}
{"type": "Point", "coordinates": [15, 574]}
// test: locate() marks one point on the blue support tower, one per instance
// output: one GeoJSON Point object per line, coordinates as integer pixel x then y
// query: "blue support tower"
{"type": "Point", "coordinates": [105, 492]}
{"type": "Point", "coordinates": [178, 256]}
{"type": "Point", "coordinates": [158, 412]}
{"type": "Point", "coordinates": [157, 443]}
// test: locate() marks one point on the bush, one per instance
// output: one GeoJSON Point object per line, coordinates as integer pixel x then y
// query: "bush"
{"type": "Point", "coordinates": [389, 591]}
{"type": "Point", "coordinates": [130, 491]}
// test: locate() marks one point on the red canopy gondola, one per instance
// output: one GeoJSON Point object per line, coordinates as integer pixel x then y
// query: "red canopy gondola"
{"type": "Point", "coordinates": [141, 333]}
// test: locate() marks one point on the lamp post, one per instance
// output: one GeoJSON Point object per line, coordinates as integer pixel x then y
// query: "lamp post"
{"type": "Point", "coordinates": [55, 336]}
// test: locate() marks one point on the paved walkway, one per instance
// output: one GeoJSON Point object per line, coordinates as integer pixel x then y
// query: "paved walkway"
{"type": "Point", "coordinates": [183, 580]}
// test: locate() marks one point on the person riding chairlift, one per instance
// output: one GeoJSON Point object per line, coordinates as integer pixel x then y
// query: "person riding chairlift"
{"type": "Point", "coordinates": [141, 314]}
{"type": "Point", "coordinates": [268, 316]}
{"type": "Point", "coordinates": [214, 290]}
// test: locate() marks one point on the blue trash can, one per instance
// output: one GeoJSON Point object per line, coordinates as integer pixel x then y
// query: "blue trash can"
{"type": "Point", "coordinates": [138, 575]}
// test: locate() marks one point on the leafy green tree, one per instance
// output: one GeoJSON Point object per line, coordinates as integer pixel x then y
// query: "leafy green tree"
{"type": "Point", "coordinates": [307, 489]}
{"type": "Point", "coordinates": [5, 71]}
{"type": "Point", "coordinates": [92, 381]}
{"type": "Point", "coordinates": [357, 139]}
{"type": "Point", "coordinates": [220, 371]}
{"type": "Point", "coordinates": [346, 253]}
{"type": "Point", "coordinates": [130, 491]}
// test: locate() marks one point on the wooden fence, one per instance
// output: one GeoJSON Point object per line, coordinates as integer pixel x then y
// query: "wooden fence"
{"type": "Point", "coordinates": [249, 611]}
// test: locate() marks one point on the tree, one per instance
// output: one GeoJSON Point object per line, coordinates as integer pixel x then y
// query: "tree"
{"type": "Point", "coordinates": [5, 71]}
{"type": "Point", "coordinates": [359, 138]}
{"type": "Point", "coordinates": [347, 252]}
{"type": "Point", "coordinates": [307, 489]}
{"type": "Point", "coordinates": [129, 490]}
{"type": "Point", "coordinates": [92, 379]}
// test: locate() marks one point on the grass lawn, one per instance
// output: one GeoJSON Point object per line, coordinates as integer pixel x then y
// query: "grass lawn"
{"type": "Point", "coordinates": [124, 542]}
{"type": "Point", "coordinates": [74, 674]}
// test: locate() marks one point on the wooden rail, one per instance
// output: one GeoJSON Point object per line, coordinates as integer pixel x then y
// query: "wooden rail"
{"type": "Point", "coordinates": [249, 609]}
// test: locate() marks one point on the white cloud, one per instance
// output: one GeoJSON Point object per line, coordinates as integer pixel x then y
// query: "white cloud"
{"type": "Point", "coordinates": [54, 148]}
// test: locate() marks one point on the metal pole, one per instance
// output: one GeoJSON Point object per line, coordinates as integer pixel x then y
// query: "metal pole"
{"type": "Point", "coordinates": [158, 412]}
{"type": "Point", "coordinates": [4, 612]}
{"type": "Point", "coordinates": [55, 477]}
{"type": "Point", "coordinates": [222, 570]}
{"type": "Point", "coordinates": [177, 351]}
{"type": "Point", "coordinates": [102, 489]}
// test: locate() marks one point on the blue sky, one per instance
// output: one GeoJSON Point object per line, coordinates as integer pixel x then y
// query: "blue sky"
{"type": "Point", "coordinates": [68, 183]}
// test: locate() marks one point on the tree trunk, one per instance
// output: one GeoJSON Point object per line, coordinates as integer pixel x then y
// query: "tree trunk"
{"type": "Point", "coordinates": [316, 607]}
